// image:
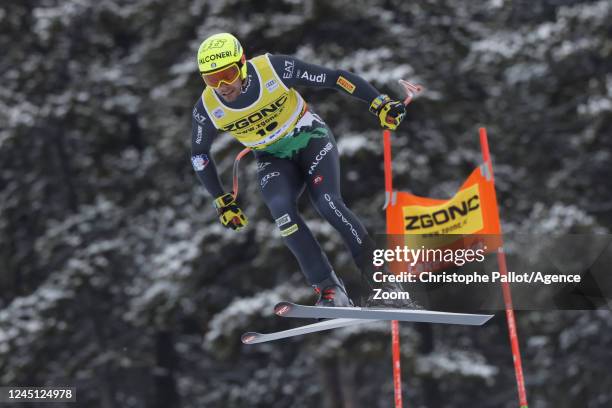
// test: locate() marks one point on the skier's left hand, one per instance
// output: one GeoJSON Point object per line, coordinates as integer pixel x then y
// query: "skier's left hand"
{"type": "Point", "coordinates": [389, 112]}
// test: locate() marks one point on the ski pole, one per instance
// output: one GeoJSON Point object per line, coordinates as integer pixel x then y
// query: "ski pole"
{"type": "Point", "coordinates": [239, 156]}
{"type": "Point", "coordinates": [411, 90]}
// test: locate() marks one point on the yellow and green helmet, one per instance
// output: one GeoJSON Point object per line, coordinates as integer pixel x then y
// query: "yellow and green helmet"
{"type": "Point", "coordinates": [221, 50]}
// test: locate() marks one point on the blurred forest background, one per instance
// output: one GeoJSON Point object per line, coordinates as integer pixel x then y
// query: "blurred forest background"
{"type": "Point", "coordinates": [117, 279]}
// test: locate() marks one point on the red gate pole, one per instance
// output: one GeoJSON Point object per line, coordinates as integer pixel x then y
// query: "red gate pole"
{"type": "Point", "coordinates": [411, 90]}
{"type": "Point", "coordinates": [501, 260]}
{"type": "Point", "coordinates": [395, 339]}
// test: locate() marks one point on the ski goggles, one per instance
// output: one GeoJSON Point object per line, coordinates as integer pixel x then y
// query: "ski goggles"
{"type": "Point", "coordinates": [227, 74]}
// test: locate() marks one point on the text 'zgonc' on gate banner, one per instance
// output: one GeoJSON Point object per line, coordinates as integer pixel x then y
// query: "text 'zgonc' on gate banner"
{"type": "Point", "coordinates": [470, 219]}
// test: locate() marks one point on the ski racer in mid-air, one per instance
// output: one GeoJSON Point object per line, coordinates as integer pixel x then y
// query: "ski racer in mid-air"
{"type": "Point", "coordinates": [256, 102]}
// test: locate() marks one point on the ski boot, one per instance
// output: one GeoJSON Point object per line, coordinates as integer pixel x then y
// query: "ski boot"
{"type": "Point", "coordinates": [332, 292]}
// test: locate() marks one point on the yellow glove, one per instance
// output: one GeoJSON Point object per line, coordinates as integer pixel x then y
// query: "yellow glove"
{"type": "Point", "coordinates": [389, 112]}
{"type": "Point", "coordinates": [230, 215]}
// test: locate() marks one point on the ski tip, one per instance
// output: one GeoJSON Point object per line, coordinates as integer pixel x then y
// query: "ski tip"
{"type": "Point", "coordinates": [249, 337]}
{"type": "Point", "coordinates": [282, 308]}
{"type": "Point", "coordinates": [487, 318]}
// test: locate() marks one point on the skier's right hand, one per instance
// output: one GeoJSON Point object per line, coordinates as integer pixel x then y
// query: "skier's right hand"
{"type": "Point", "coordinates": [230, 215]}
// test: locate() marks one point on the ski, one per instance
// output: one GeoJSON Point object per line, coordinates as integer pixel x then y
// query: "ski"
{"type": "Point", "coordinates": [288, 309]}
{"type": "Point", "coordinates": [254, 337]}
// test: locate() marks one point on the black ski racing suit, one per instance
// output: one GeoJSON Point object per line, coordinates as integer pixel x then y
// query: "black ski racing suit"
{"type": "Point", "coordinates": [308, 162]}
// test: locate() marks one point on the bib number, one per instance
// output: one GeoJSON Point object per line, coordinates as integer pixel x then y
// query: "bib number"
{"type": "Point", "coordinates": [269, 128]}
